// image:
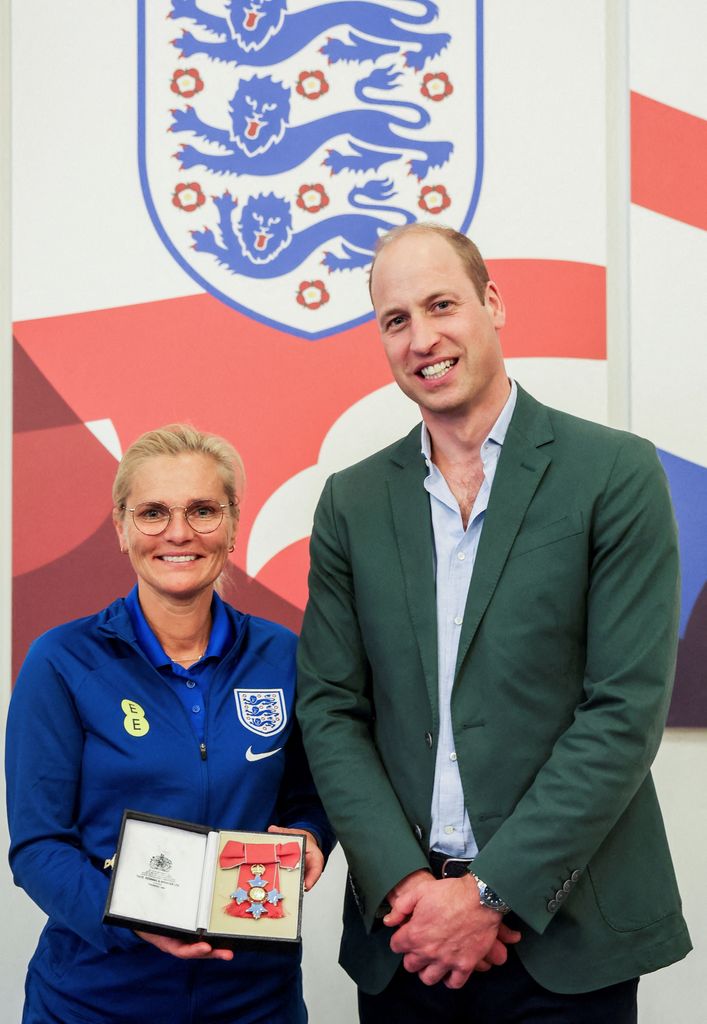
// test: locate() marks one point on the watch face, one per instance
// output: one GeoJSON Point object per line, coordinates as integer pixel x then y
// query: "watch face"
{"type": "Point", "coordinates": [491, 899]}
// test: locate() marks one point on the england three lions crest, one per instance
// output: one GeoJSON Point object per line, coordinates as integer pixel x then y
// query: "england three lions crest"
{"type": "Point", "coordinates": [280, 138]}
{"type": "Point", "coordinates": [261, 711]}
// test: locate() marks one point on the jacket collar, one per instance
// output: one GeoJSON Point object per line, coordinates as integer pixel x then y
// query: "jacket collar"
{"type": "Point", "coordinates": [115, 622]}
{"type": "Point", "coordinates": [522, 464]}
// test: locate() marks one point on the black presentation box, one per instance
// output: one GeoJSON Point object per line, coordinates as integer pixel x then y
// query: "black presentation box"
{"type": "Point", "coordinates": [226, 887]}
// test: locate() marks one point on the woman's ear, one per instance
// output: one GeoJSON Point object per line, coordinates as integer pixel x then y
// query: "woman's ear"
{"type": "Point", "coordinates": [119, 525]}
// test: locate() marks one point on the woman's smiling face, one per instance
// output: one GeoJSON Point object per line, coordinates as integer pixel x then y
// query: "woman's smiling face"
{"type": "Point", "coordinates": [178, 563]}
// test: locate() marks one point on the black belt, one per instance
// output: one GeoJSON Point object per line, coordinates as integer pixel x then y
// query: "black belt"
{"type": "Point", "coordinates": [444, 866]}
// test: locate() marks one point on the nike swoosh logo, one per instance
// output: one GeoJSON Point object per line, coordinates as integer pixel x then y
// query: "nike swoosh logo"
{"type": "Point", "coordinates": [250, 755]}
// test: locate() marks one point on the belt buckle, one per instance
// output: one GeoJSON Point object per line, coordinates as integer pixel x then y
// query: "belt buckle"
{"type": "Point", "coordinates": [455, 860]}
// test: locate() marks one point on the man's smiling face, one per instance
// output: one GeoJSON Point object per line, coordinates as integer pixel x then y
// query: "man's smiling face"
{"type": "Point", "coordinates": [440, 339]}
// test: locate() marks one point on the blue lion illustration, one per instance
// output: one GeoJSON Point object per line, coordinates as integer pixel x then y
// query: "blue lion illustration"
{"type": "Point", "coordinates": [256, 33]}
{"type": "Point", "coordinates": [261, 704]}
{"type": "Point", "coordinates": [261, 140]}
{"type": "Point", "coordinates": [263, 712]}
{"type": "Point", "coordinates": [263, 243]}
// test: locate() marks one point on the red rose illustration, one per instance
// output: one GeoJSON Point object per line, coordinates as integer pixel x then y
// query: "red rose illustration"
{"type": "Point", "coordinates": [436, 86]}
{"type": "Point", "coordinates": [312, 84]}
{"type": "Point", "coordinates": [434, 198]}
{"type": "Point", "coordinates": [312, 198]}
{"type": "Point", "coordinates": [188, 196]}
{"type": "Point", "coordinates": [312, 294]}
{"type": "Point", "coordinates": [187, 82]}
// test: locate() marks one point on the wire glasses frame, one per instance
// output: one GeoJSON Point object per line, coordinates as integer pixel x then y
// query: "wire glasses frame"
{"type": "Point", "coordinates": [153, 517]}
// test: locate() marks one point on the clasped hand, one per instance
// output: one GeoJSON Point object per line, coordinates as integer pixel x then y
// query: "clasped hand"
{"type": "Point", "coordinates": [443, 931]}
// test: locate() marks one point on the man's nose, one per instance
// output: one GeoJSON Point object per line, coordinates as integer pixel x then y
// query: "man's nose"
{"type": "Point", "coordinates": [423, 335]}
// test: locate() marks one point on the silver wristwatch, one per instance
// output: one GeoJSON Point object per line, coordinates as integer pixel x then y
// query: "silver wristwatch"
{"type": "Point", "coordinates": [490, 898]}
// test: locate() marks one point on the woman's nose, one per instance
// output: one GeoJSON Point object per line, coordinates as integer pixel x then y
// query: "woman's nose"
{"type": "Point", "coordinates": [178, 528]}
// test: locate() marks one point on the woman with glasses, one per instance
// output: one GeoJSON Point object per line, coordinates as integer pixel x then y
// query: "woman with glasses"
{"type": "Point", "coordinates": [146, 705]}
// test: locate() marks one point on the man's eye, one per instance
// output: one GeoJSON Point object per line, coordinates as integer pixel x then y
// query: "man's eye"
{"type": "Point", "coordinates": [443, 304]}
{"type": "Point", "coordinates": [395, 321]}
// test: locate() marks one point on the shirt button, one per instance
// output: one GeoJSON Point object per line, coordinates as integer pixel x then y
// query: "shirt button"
{"type": "Point", "coordinates": [191, 684]}
{"type": "Point", "coordinates": [449, 829]}
{"type": "Point", "coordinates": [196, 709]}
{"type": "Point", "coordinates": [461, 556]}
{"type": "Point", "coordinates": [453, 756]}
{"type": "Point", "coordinates": [458, 620]}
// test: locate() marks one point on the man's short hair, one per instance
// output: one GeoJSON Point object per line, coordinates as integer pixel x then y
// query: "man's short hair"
{"type": "Point", "coordinates": [471, 258]}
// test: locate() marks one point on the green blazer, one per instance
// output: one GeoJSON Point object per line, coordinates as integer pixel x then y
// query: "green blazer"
{"type": "Point", "coordinates": [563, 680]}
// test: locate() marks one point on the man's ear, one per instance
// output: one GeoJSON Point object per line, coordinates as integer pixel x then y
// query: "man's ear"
{"type": "Point", "coordinates": [494, 304]}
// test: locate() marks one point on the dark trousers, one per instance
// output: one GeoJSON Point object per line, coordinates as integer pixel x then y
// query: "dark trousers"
{"type": "Point", "coordinates": [503, 995]}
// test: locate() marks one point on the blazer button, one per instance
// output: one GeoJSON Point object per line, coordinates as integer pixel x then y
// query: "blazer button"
{"type": "Point", "coordinates": [417, 829]}
{"type": "Point", "coordinates": [574, 877]}
{"type": "Point", "coordinates": [552, 906]}
{"type": "Point", "coordinates": [567, 885]}
{"type": "Point", "coordinates": [428, 739]}
{"type": "Point", "coordinates": [560, 895]}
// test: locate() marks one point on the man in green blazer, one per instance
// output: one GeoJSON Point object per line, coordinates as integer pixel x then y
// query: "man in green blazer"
{"type": "Point", "coordinates": [485, 669]}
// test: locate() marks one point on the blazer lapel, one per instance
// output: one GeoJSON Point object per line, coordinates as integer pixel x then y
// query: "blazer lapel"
{"type": "Point", "coordinates": [521, 467]}
{"type": "Point", "coordinates": [415, 540]}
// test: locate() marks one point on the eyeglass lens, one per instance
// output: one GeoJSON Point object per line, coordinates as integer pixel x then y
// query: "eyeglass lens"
{"type": "Point", "coordinates": [152, 517]}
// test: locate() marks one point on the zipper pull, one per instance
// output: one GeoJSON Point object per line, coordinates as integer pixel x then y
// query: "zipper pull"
{"type": "Point", "coordinates": [202, 750]}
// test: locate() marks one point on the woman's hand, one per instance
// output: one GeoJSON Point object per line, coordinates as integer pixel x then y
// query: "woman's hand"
{"type": "Point", "coordinates": [313, 858]}
{"type": "Point", "coordinates": [186, 950]}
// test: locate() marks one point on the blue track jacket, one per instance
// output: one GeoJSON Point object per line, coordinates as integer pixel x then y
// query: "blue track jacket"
{"type": "Point", "coordinates": [74, 762]}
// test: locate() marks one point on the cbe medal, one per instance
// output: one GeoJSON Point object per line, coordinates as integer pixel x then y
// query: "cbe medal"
{"type": "Point", "coordinates": [257, 889]}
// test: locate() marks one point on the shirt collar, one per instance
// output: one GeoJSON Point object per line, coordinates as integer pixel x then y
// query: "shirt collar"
{"type": "Point", "coordinates": [497, 433]}
{"type": "Point", "coordinates": [220, 638]}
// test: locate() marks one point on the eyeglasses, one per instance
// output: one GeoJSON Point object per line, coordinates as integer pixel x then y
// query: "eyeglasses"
{"type": "Point", "coordinates": [153, 518]}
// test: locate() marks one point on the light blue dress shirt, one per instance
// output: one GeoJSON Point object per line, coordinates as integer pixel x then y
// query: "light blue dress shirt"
{"type": "Point", "coordinates": [455, 554]}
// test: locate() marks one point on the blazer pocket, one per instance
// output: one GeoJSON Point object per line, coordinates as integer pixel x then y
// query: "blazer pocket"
{"type": "Point", "coordinates": [568, 526]}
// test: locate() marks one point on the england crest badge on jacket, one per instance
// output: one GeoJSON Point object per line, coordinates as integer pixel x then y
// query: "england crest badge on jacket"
{"type": "Point", "coordinates": [279, 139]}
{"type": "Point", "coordinates": [261, 711]}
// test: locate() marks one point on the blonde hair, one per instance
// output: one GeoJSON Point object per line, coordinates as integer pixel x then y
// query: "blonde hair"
{"type": "Point", "coordinates": [471, 258]}
{"type": "Point", "coordinates": [180, 439]}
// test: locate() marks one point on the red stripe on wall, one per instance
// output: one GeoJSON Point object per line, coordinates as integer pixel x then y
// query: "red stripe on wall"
{"type": "Point", "coordinates": [668, 161]}
{"type": "Point", "coordinates": [554, 308]}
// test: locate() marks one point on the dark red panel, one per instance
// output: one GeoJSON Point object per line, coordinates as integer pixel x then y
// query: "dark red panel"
{"type": "Point", "coordinates": [82, 581]}
{"type": "Point", "coordinates": [36, 404]}
{"type": "Point", "coordinates": [62, 479]}
{"type": "Point", "coordinates": [286, 573]}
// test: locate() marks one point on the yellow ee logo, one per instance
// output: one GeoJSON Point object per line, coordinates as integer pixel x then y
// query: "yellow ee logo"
{"type": "Point", "coordinates": [135, 722]}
